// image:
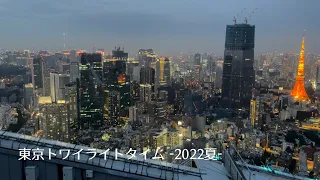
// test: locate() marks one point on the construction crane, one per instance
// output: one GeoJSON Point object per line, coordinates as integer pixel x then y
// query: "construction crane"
{"type": "Point", "coordinates": [235, 17]}
{"type": "Point", "coordinates": [248, 17]}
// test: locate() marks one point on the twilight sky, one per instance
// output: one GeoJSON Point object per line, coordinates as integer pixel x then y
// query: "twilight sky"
{"type": "Point", "coordinates": [167, 26]}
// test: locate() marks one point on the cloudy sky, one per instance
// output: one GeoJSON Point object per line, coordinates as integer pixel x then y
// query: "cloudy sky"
{"type": "Point", "coordinates": [168, 26]}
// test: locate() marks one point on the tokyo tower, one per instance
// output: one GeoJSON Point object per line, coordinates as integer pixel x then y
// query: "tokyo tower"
{"type": "Point", "coordinates": [298, 92]}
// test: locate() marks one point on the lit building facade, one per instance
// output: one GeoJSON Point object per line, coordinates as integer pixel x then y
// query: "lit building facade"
{"type": "Point", "coordinates": [135, 91]}
{"type": "Point", "coordinates": [316, 163]}
{"type": "Point", "coordinates": [145, 92]}
{"type": "Point", "coordinates": [147, 84]}
{"type": "Point", "coordinates": [72, 100]}
{"type": "Point", "coordinates": [256, 111]}
{"type": "Point", "coordinates": [146, 57]}
{"type": "Point", "coordinates": [112, 108]}
{"type": "Point", "coordinates": [91, 94]}
{"type": "Point", "coordinates": [166, 137]}
{"type": "Point", "coordinates": [53, 120]}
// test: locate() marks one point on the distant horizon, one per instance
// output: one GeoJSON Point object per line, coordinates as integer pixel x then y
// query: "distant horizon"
{"type": "Point", "coordinates": [171, 28]}
{"type": "Point", "coordinates": [132, 54]}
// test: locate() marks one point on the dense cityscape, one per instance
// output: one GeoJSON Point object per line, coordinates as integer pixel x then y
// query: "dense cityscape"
{"type": "Point", "coordinates": [263, 108]}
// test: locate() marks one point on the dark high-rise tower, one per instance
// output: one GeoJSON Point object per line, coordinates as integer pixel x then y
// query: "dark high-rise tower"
{"type": "Point", "coordinates": [318, 78]}
{"type": "Point", "coordinates": [123, 79]}
{"type": "Point", "coordinates": [238, 72]}
{"type": "Point", "coordinates": [197, 59]}
{"type": "Point", "coordinates": [147, 76]}
{"type": "Point", "coordinates": [37, 74]}
{"type": "Point", "coordinates": [147, 84]}
{"type": "Point", "coordinates": [116, 86]}
{"type": "Point", "coordinates": [91, 97]}
{"type": "Point", "coordinates": [167, 73]}
{"type": "Point", "coordinates": [197, 66]}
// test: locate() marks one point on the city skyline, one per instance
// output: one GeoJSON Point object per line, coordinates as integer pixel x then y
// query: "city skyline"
{"type": "Point", "coordinates": [136, 89]}
{"type": "Point", "coordinates": [171, 28]}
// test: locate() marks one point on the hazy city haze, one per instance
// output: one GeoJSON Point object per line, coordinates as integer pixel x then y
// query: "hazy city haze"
{"type": "Point", "coordinates": [167, 26]}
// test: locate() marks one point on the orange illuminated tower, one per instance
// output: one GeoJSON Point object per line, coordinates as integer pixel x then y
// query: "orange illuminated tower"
{"type": "Point", "coordinates": [298, 91]}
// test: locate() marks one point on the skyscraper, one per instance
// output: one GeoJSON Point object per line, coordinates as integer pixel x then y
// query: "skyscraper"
{"type": "Point", "coordinates": [131, 65]}
{"type": "Point", "coordinates": [298, 92]}
{"type": "Point", "coordinates": [28, 96]}
{"type": "Point", "coordinates": [72, 104]}
{"type": "Point", "coordinates": [167, 71]}
{"type": "Point", "coordinates": [145, 92]}
{"type": "Point", "coordinates": [57, 86]}
{"type": "Point", "coordinates": [37, 74]}
{"type": "Point", "coordinates": [162, 71]}
{"type": "Point", "coordinates": [74, 71]}
{"type": "Point", "coordinates": [147, 84]}
{"type": "Point", "coordinates": [197, 59]}
{"type": "Point", "coordinates": [74, 66]}
{"type": "Point", "coordinates": [91, 97]}
{"type": "Point", "coordinates": [73, 56]}
{"type": "Point", "coordinates": [146, 57]}
{"type": "Point", "coordinates": [112, 108]}
{"type": "Point", "coordinates": [46, 80]}
{"type": "Point", "coordinates": [116, 81]}
{"type": "Point", "coordinates": [135, 91]}
{"type": "Point", "coordinates": [53, 119]}
{"type": "Point", "coordinates": [238, 72]}
{"type": "Point", "coordinates": [318, 78]}
{"type": "Point", "coordinates": [147, 76]}
{"type": "Point", "coordinates": [197, 66]}
{"type": "Point", "coordinates": [123, 80]}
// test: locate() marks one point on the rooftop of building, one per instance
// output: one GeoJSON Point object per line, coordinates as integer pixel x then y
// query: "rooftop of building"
{"type": "Point", "coordinates": [140, 168]}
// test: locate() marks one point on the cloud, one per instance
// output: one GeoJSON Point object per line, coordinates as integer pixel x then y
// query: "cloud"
{"type": "Point", "coordinates": [165, 24]}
